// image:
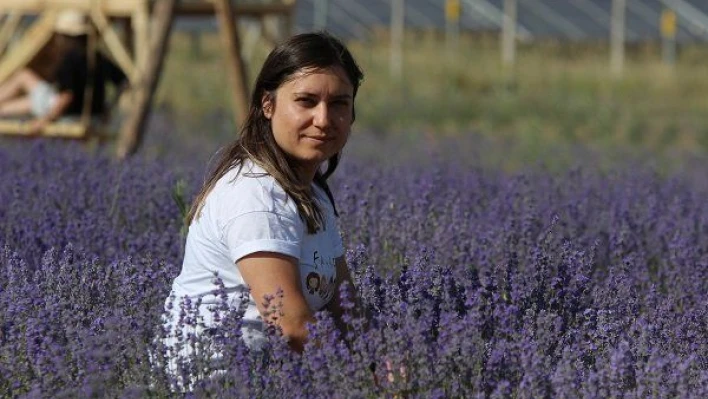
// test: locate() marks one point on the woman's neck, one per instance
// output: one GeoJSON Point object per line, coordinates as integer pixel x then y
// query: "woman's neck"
{"type": "Point", "coordinates": [306, 173]}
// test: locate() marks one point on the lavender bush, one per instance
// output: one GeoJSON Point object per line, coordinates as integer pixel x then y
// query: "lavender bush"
{"type": "Point", "coordinates": [479, 284]}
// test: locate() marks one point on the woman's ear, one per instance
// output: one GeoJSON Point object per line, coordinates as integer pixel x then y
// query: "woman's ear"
{"type": "Point", "coordinates": [267, 105]}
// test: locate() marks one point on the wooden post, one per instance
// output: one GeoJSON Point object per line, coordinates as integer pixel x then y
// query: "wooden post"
{"type": "Point", "coordinates": [398, 17]}
{"type": "Point", "coordinates": [509, 34]}
{"type": "Point", "coordinates": [617, 37]}
{"type": "Point", "coordinates": [235, 65]}
{"type": "Point", "coordinates": [132, 131]}
{"type": "Point", "coordinates": [7, 29]}
{"type": "Point", "coordinates": [140, 20]}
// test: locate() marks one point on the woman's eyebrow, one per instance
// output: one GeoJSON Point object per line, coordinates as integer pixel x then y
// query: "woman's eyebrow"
{"type": "Point", "coordinates": [336, 96]}
{"type": "Point", "coordinates": [344, 96]}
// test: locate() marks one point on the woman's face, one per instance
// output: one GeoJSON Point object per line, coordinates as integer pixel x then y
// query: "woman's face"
{"type": "Point", "coordinates": [312, 115]}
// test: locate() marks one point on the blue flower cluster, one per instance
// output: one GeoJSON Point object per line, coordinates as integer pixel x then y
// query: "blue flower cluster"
{"type": "Point", "coordinates": [477, 284]}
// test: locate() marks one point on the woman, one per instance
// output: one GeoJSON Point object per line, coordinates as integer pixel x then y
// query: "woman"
{"type": "Point", "coordinates": [265, 218]}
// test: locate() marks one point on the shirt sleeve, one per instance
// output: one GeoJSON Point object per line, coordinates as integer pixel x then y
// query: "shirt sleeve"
{"type": "Point", "coordinates": [263, 231]}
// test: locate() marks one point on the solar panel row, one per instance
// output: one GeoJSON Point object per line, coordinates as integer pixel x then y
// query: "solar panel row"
{"type": "Point", "coordinates": [567, 19]}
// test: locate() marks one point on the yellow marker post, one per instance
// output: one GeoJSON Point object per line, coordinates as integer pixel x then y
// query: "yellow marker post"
{"type": "Point", "coordinates": [668, 36]}
{"type": "Point", "coordinates": [668, 23]}
{"type": "Point", "coordinates": [453, 10]}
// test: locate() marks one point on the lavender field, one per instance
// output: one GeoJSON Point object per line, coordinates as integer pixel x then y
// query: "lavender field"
{"type": "Point", "coordinates": [584, 281]}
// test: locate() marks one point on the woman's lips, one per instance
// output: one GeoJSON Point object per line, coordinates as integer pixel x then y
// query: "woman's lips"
{"type": "Point", "coordinates": [319, 139]}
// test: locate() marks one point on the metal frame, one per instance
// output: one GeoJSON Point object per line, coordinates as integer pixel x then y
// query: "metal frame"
{"type": "Point", "coordinates": [337, 13]}
{"type": "Point", "coordinates": [599, 15]}
{"type": "Point", "coordinates": [496, 16]}
{"type": "Point", "coordinates": [561, 23]}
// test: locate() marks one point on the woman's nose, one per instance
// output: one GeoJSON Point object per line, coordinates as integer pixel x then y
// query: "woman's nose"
{"type": "Point", "coordinates": [321, 117]}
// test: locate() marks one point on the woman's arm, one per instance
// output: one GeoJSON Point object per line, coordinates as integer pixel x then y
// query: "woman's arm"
{"type": "Point", "coordinates": [266, 273]}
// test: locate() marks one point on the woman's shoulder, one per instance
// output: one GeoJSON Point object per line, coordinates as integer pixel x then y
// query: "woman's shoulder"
{"type": "Point", "coordinates": [245, 178]}
{"type": "Point", "coordinates": [249, 188]}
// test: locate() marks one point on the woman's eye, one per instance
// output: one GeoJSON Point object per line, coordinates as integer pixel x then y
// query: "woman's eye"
{"type": "Point", "coordinates": [305, 101]}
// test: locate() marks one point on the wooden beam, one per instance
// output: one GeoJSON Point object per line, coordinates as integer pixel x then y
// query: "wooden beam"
{"type": "Point", "coordinates": [33, 39]}
{"type": "Point", "coordinates": [8, 29]}
{"type": "Point", "coordinates": [131, 133]}
{"type": "Point", "coordinates": [140, 23]}
{"type": "Point", "coordinates": [110, 7]}
{"type": "Point", "coordinates": [126, 7]}
{"type": "Point", "coordinates": [235, 65]}
{"type": "Point", "coordinates": [70, 130]}
{"type": "Point", "coordinates": [251, 10]}
{"type": "Point", "coordinates": [114, 45]}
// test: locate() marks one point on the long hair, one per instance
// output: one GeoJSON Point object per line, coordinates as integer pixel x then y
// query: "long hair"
{"type": "Point", "coordinates": [47, 61]}
{"type": "Point", "coordinates": [256, 142]}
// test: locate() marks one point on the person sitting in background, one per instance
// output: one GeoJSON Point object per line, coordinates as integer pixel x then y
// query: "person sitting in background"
{"type": "Point", "coordinates": [26, 93]}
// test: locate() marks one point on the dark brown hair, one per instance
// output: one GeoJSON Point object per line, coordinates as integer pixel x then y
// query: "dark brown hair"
{"type": "Point", "coordinates": [48, 59]}
{"type": "Point", "coordinates": [306, 51]}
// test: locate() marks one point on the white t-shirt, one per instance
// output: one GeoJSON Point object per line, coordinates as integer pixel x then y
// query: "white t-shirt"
{"type": "Point", "coordinates": [249, 212]}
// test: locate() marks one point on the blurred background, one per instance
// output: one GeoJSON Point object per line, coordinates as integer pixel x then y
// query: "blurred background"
{"type": "Point", "coordinates": [533, 76]}
{"type": "Point", "coordinates": [513, 82]}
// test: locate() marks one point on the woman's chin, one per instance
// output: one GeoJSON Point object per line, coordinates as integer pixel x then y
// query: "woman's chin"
{"type": "Point", "coordinates": [314, 156]}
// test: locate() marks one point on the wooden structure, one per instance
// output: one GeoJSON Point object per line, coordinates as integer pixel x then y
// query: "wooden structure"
{"type": "Point", "coordinates": [139, 51]}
